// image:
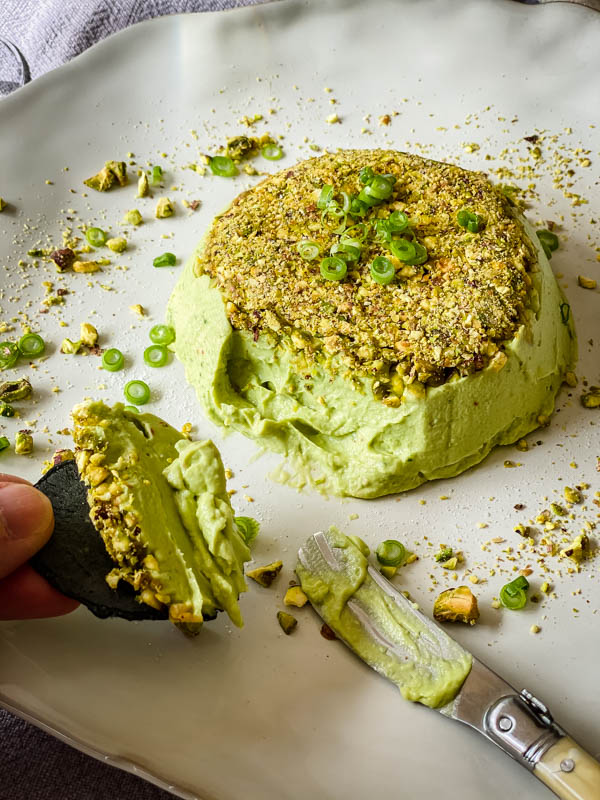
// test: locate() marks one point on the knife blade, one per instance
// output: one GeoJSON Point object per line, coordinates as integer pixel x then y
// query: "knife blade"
{"type": "Point", "coordinates": [516, 721]}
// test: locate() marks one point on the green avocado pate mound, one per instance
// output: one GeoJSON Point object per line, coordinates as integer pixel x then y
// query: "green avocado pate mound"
{"type": "Point", "coordinates": [431, 666]}
{"type": "Point", "coordinates": [477, 364]}
{"type": "Point", "coordinates": [161, 506]}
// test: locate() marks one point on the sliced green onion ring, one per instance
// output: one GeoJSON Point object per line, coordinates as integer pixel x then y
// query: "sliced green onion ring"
{"type": "Point", "coordinates": [549, 242]}
{"type": "Point", "coordinates": [397, 221]}
{"type": "Point", "coordinates": [308, 250]}
{"type": "Point", "coordinates": [347, 201]}
{"type": "Point", "coordinates": [272, 152]}
{"type": "Point", "coordinates": [403, 250]}
{"type": "Point", "coordinates": [156, 175]}
{"type": "Point", "coordinates": [380, 187]}
{"type": "Point", "coordinates": [382, 270]}
{"type": "Point", "coordinates": [333, 268]}
{"type": "Point", "coordinates": [469, 220]}
{"type": "Point", "coordinates": [367, 199]}
{"type": "Point", "coordinates": [350, 250]}
{"type": "Point", "coordinates": [133, 409]}
{"type": "Point", "coordinates": [358, 208]}
{"type": "Point", "coordinates": [165, 260]}
{"type": "Point", "coordinates": [326, 196]}
{"type": "Point", "coordinates": [358, 231]}
{"type": "Point", "coordinates": [31, 345]}
{"type": "Point", "coordinates": [338, 216]}
{"type": "Point", "coordinates": [96, 237]}
{"type": "Point", "coordinates": [162, 334]}
{"type": "Point", "coordinates": [421, 255]}
{"type": "Point", "coordinates": [112, 359]}
{"type": "Point", "coordinates": [9, 354]}
{"type": "Point", "coordinates": [366, 175]}
{"type": "Point", "coordinates": [137, 392]}
{"type": "Point", "coordinates": [513, 595]}
{"type": "Point", "coordinates": [391, 553]}
{"type": "Point", "coordinates": [223, 166]}
{"type": "Point", "coordinates": [156, 355]}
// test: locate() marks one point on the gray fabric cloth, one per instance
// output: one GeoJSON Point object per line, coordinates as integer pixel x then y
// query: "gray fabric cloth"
{"type": "Point", "coordinates": [36, 36]}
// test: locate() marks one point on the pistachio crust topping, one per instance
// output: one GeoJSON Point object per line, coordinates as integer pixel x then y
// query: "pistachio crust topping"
{"type": "Point", "coordinates": [448, 316]}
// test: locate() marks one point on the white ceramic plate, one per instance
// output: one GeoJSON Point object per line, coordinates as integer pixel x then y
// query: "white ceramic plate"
{"type": "Point", "coordinates": [253, 713]}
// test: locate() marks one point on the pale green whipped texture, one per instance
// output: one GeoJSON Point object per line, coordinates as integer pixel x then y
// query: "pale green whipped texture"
{"type": "Point", "coordinates": [342, 438]}
{"type": "Point", "coordinates": [176, 490]}
{"type": "Point", "coordinates": [430, 667]}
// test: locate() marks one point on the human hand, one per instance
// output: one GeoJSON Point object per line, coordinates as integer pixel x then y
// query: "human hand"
{"type": "Point", "coordinates": [26, 524]}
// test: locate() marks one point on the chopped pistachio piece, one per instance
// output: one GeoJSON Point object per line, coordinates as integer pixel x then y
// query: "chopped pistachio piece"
{"type": "Point", "coordinates": [119, 170]}
{"type": "Point", "coordinates": [132, 217]}
{"type": "Point", "coordinates": [545, 588]}
{"type": "Point", "coordinates": [118, 244]}
{"type": "Point", "coordinates": [557, 509]}
{"type": "Point", "coordinates": [287, 621]}
{"type": "Point", "coordinates": [295, 597]}
{"type": "Point", "coordinates": [6, 410]}
{"type": "Point", "coordinates": [15, 390]}
{"type": "Point", "coordinates": [456, 605]}
{"type": "Point", "coordinates": [70, 348]}
{"type": "Point", "coordinates": [573, 495]}
{"type": "Point", "coordinates": [535, 629]}
{"type": "Point", "coordinates": [388, 572]}
{"type": "Point", "coordinates": [451, 563]}
{"type": "Point", "coordinates": [571, 379]}
{"type": "Point", "coordinates": [578, 549]}
{"type": "Point", "coordinates": [23, 443]}
{"type": "Point", "coordinates": [586, 283]}
{"type": "Point", "coordinates": [86, 266]}
{"type": "Point", "coordinates": [2, 204]}
{"type": "Point", "coordinates": [164, 208]}
{"type": "Point", "coordinates": [63, 259]}
{"type": "Point", "coordinates": [591, 399]}
{"type": "Point", "coordinates": [138, 309]}
{"type": "Point", "coordinates": [88, 334]}
{"type": "Point", "coordinates": [101, 181]}
{"type": "Point", "coordinates": [143, 185]}
{"type": "Point", "coordinates": [267, 574]}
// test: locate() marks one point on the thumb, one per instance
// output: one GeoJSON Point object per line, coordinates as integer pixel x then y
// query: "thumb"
{"type": "Point", "coordinates": [26, 523]}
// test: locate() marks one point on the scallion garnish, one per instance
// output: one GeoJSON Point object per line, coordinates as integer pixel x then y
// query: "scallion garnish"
{"type": "Point", "coordinates": [156, 355]}
{"type": "Point", "coordinates": [137, 392]}
{"type": "Point", "coordinates": [112, 359]}
{"type": "Point", "coordinates": [403, 250]}
{"type": "Point", "coordinates": [391, 553]}
{"type": "Point", "coordinates": [382, 270]}
{"type": "Point", "coordinates": [326, 196]}
{"type": "Point", "coordinates": [366, 175]}
{"type": "Point", "coordinates": [333, 268]}
{"type": "Point", "coordinates": [156, 175]}
{"type": "Point", "coordinates": [358, 231]}
{"type": "Point", "coordinates": [272, 152]}
{"type": "Point", "coordinates": [513, 595]}
{"type": "Point", "coordinates": [223, 166]}
{"type": "Point", "coordinates": [421, 254]}
{"type": "Point", "coordinates": [162, 334]}
{"type": "Point", "coordinates": [308, 250]}
{"type": "Point", "coordinates": [349, 249]}
{"type": "Point", "coordinates": [380, 188]}
{"type": "Point", "coordinates": [549, 242]}
{"type": "Point", "coordinates": [96, 237]}
{"type": "Point", "coordinates": [469, 220]}
{"type": "Point", "coordinates": [9, 355]}
{"type": "Point", "coordinates": [133, 409]}
{"type": "Point", "coordinates": [165, 260]}
{"type": "Point", "coordinates": [31, 345]}
{"type": "Point", "coordinates": [397, 221]}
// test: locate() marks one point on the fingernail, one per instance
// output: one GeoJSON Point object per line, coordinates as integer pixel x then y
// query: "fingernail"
{"type": "Point", "coordinates": [25, 513]}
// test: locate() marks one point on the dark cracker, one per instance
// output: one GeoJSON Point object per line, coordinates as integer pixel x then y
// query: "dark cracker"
{"type": "Point", "coordinates": [75, 560]}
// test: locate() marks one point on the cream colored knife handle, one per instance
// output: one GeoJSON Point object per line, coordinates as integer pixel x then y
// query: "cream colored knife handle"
{"type": "Point", "coordinates": [569, 771]}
